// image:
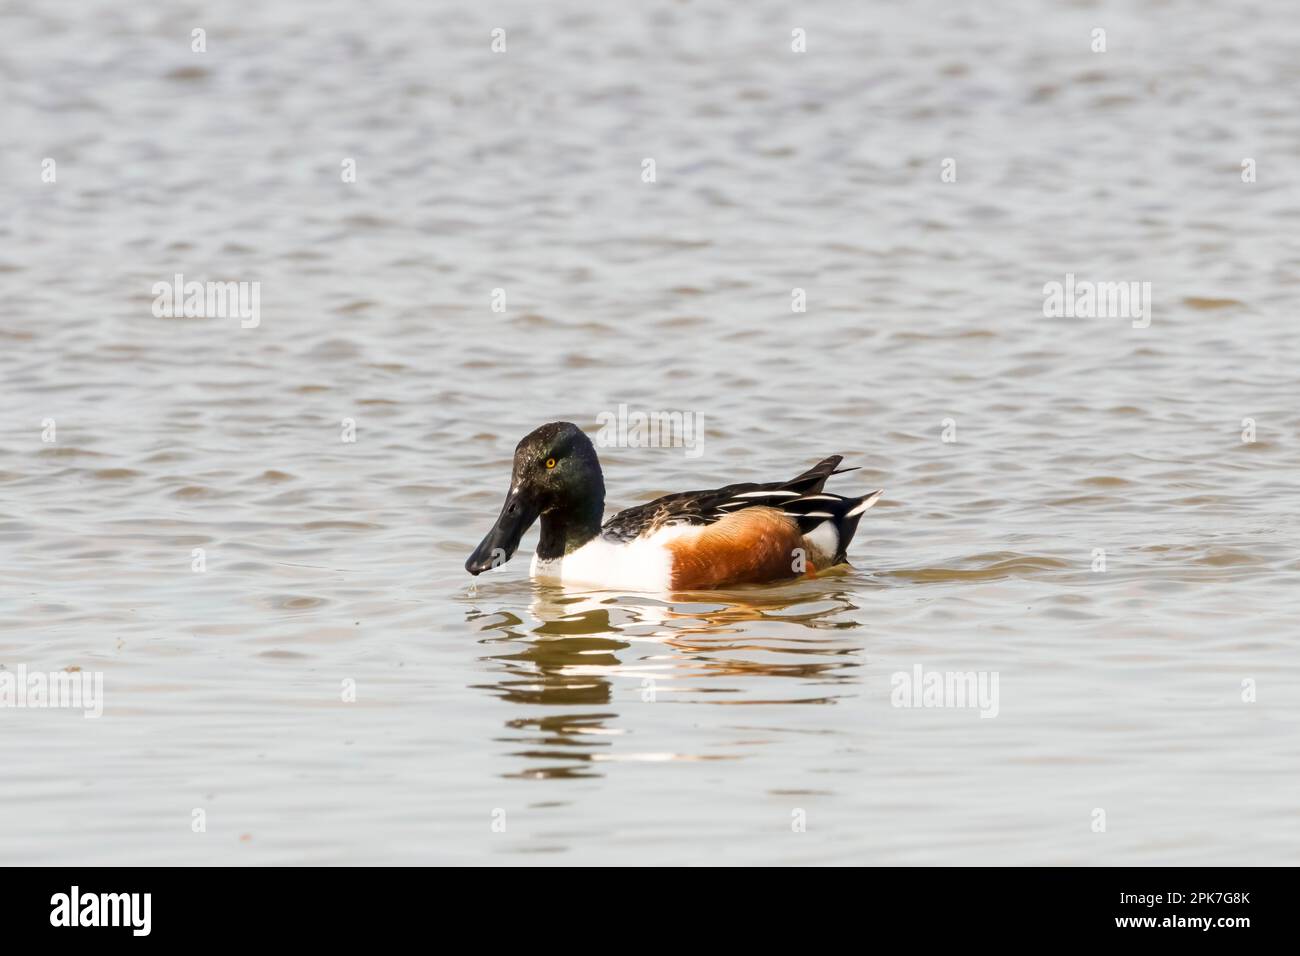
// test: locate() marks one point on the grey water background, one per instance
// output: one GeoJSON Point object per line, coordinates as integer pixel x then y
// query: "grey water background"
{"type": "Point", "coordinates": [615, 727]}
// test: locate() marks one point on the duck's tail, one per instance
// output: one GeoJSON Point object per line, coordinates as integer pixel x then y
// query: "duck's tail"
{"type": "Point", "coordinates": [828, 522]}
{"type": "Point", "coordinates": [812, 480]}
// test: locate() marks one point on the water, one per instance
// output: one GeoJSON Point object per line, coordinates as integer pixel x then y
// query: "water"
{"type": "Point", "coordinates": [744, 727]}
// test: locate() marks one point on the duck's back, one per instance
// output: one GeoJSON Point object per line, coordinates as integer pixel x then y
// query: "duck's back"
{"type": "Point", "coordinates": [744, 533]}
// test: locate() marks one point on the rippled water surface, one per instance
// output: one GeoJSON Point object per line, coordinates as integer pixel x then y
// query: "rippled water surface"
{"type": "Point", "coordinates": [512, 723]}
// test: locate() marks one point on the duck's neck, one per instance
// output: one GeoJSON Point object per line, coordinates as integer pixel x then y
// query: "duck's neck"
{"type": "Point", "coordinates": [565, 530]}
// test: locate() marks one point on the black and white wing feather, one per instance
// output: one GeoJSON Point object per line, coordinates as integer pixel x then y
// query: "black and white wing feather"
{"type": "Point", "coordinates": [801, 497]}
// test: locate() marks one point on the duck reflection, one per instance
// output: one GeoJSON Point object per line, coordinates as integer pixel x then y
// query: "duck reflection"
{"type": "Point", "coordinates": [582, 657]}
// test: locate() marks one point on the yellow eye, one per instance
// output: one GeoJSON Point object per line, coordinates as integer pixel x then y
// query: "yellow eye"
{"type": "Point", "coordinates": [550, 463]}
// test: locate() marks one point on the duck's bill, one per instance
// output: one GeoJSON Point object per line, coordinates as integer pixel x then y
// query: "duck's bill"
{"type": "Point", "coordinates": [500, 544]}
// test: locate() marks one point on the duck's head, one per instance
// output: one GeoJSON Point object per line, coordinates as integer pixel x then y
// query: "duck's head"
{"type": "Point", "coordinates": [557, 477]}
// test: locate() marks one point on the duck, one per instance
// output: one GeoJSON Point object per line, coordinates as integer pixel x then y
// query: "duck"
{"type": "Point", "coordinates": [740, 534]}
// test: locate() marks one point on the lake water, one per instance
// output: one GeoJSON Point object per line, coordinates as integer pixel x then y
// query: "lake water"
{"type": "Point", "coordinates": [493, 721]}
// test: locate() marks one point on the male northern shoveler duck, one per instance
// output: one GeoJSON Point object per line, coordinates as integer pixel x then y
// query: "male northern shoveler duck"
{"type": "Point", "coordinates": [692, 541]}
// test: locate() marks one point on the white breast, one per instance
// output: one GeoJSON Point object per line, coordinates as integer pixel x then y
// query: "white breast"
{"type": "Point", "coordinates": [645, 564]}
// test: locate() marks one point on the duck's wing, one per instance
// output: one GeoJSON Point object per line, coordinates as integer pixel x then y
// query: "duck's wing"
{"type": "Point", "coordinates": [706, 507]}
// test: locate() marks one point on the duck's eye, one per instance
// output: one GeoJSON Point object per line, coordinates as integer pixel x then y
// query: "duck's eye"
{"type": "Point", "coordinates": [550, 463]}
